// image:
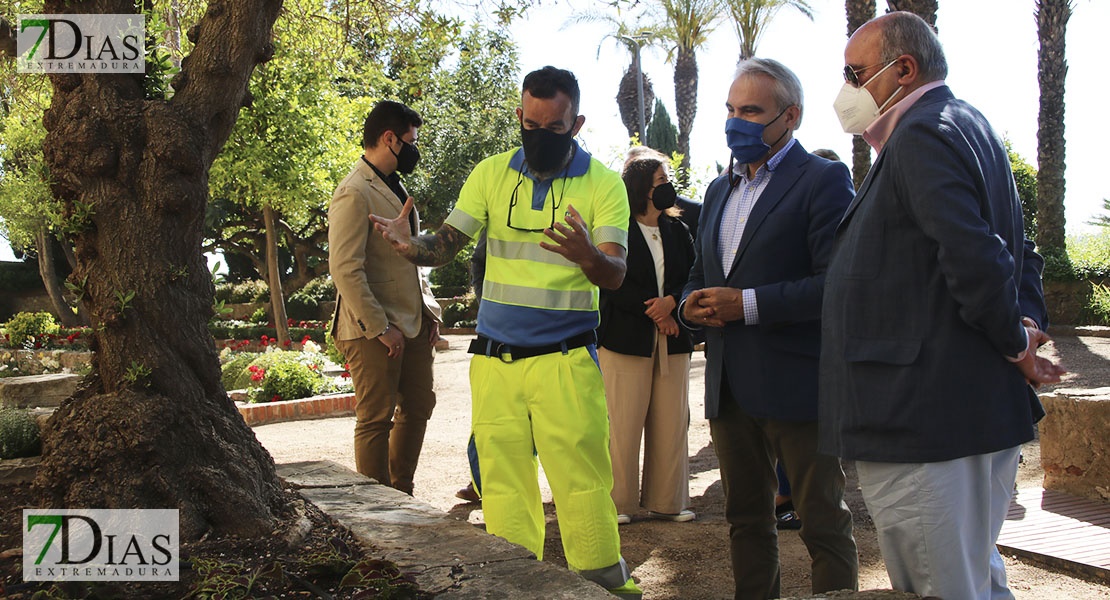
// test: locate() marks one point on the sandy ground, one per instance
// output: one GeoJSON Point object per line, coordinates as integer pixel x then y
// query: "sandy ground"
{"type": "Point", "coordinates": [678, 560]}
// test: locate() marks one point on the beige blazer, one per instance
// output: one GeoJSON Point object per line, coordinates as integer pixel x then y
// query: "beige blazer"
{"type": "Point", "coordinates": [375, 286]}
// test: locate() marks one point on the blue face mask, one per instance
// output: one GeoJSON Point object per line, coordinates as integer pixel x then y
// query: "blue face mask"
{"type": "Point", "coordinates": [745, 139]}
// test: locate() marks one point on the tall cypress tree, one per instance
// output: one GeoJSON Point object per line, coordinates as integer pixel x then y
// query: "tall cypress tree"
{"type": "Point", "coordinates": [662, 134]}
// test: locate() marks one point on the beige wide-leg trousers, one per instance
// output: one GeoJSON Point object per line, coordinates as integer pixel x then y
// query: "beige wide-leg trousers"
{"type": "Point", "coordinates": [648, 399]}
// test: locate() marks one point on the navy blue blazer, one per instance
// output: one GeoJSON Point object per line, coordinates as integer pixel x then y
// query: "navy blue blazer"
{"type": "Point", "coordinates": [929, 278]}
{"type": "Point", "coordinates": [772, 367]}
{"type": "Point", "coordinates": [624, 327]}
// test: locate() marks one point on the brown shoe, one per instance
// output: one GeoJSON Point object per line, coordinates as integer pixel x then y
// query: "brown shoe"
{"type": "Point", "coordinates": [469, 494]}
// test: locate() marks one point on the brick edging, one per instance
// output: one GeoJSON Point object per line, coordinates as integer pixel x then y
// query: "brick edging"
{"type": "Point", "coordinates": [315, 407]}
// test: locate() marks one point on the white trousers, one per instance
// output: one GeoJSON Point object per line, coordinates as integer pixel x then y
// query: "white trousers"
{"type": "Point", "coordinates": [938, 523]}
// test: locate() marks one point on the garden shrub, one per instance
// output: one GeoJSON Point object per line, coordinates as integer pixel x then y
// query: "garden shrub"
{"type": "Point", "coordinates": [230, 370]}
{"type": "Point", "coordinates": [243, 292]}
{"type": "Point", "coordinates": [322, 289]}
{"type": "Point", "coordinates": [1098, 305]}
{"type": "Point", "coordinates": [27, 326]}
{"type": "Point", "coordinates": [260, 315]}
{"type": "Point", "coordinates": [333, 353]}
{"type": "Point", "coordinates": [459, 312]}
{"type": "Point", "coordinates": [19, 434]}
{"type": "Point", "coordinates": [302, 307]}
{"type": "Point", "coordinates": [282, 375]}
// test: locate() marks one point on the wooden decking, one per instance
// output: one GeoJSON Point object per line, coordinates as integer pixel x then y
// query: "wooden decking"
{"type": "Point", "coordinates": [1061, 530]}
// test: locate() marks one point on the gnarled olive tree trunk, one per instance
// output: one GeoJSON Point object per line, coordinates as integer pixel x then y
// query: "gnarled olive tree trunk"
{"type": "Point", "coordinates": [152, 426]}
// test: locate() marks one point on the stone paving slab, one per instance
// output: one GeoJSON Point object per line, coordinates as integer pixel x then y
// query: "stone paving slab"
{"type": "Point", "coordinates": [37, 390]}
{"type": "Point", "coordinates": [450, 558]}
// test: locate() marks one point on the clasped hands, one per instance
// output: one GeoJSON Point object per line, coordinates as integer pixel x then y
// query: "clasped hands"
{"type": "Point", "coordinates": [659, 310]}
{"type": "Point", "coordinates": [1038, 370]}
{"type": "Point", "coordinates": [713, 307]}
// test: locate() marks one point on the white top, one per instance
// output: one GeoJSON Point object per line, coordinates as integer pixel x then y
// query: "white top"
{"type": "Point", "coordinates": [655, 244]}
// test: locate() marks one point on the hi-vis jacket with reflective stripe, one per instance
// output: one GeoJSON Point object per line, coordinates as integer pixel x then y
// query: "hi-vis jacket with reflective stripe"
{"type": "Point", "coordinates": [531, 296]}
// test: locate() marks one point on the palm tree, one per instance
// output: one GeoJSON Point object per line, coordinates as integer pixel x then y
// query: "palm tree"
{"type": "Point", "coordinates": [858, 13]}
{"type": "Point", "coordinates": [628, 102]}
{"type": "Point", "coordinates": [751, 18]}
{"type": "Point", "coordinates": [926, 9]}
{"type": "Point", "coordinates": [1052, 23]}
{"type": "Point", "coordinates": [686, 28]}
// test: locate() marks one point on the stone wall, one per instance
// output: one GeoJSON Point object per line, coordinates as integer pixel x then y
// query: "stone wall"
{"type": "Point", "coordinates": [1075, 442]}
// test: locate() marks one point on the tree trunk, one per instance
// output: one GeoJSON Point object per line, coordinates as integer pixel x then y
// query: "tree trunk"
{"type": "Point", "coordinates": [151, 426]}
{"type": "Point", "coordinates": [926, 9]}
{"type": "Point", "coordinates": [273, 277]}
{"type": "Point", "coordinates": [859, 12]}
{"type": "Point", "coordinates": [44, 247]}
{"type": "Point", "coordinates": [628, 102]}
{"type": "Point", "coordinates": [686, 105]}
{"type": "Point", "coordinates": [1052, 69]}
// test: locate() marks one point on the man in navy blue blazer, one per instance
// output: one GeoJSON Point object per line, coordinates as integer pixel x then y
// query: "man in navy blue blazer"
{"type": "Point", "coordinates": [933, 312]}
{"type": "Point", "coordinates": [755, 288]}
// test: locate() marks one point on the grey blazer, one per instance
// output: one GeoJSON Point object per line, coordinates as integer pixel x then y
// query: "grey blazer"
{"type": "Point", "coordinates": [929, 277]}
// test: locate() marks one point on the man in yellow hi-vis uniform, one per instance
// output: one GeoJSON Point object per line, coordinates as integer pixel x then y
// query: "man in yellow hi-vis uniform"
{"type": "Point", "coordinates": [557, 224]}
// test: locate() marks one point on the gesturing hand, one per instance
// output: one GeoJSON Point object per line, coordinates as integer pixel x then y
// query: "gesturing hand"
{"type": "Point", "coordinates": [396, 231]}
{"type": "Point", "coordinates": [572, 240]}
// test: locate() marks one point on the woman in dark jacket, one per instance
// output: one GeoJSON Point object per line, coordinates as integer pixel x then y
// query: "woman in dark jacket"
{"type": "Point", "coordinates": [645, 353]}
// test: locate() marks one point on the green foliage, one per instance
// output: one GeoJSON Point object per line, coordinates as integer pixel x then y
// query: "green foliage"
{"type": "Point", "coordinates": [1090, 255]}
{"type": "Point", "coordinates": [468, 109]}
{"type": "Point", "coordinates": [455, 273]}
{"type": "Point", "coordinates": [1102, 220]}
{"type": "Point", "coordinates": [279, 375]}
{"type": "Point", "coordinates": [219, 580]}
{"type": "Point", "coordinates": [662, 134]}
{"type": "Point", "coordinates": [19, 434]}
{"type": "Point", "coordinates": [243, 292]}
{"type": "Point", "coordinates": [302, 307]}
{"type": "Point", "coordinates": [1098, 305]}
{"type": "Point", "coordinates": [24, 327]}
{"type": "Point", "coordinates": [332, 351]}
{"type": "Point", "coordinates": [1025, 176]}
{"type": "Point", "coordinates": [1057, 266]}
{"type": "Point", "coordinates": [234, 366]}
{"type": "Point", "coordinates": [260, 316]}
{"type": "Point", "coordinates": [19, 277]}
{"type": "Point", "coordinates": [123, 299]}
{"type": "Point", "coordinates": [237, 330]}
{"type": "Point", "coordinates": [322, 289]}
{"type": "Point", "coordinates": [137, 374]}
{"type": "Point", "coordinates": [26, 204]}
{"type": "Point", "coordinates": [467, 310]}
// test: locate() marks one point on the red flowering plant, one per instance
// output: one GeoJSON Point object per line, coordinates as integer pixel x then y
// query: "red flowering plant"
{"type": "Point", "coordinates": [280, 374]}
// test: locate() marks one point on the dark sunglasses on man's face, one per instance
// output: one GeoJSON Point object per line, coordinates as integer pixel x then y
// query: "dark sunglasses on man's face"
{"type": "Point", "coordinates": [851, 74]}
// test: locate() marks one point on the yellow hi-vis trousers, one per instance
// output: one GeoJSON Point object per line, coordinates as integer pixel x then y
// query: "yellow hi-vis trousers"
{"type": "Point", "coordinates": [554, 404]}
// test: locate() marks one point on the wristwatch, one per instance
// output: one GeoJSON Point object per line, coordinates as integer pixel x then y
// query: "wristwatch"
{"type": "Point", "coordinates": [384, 331]}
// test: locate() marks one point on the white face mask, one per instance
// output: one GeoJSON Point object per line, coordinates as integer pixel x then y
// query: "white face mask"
{"type": "Point", "coordinates": [856, 108]}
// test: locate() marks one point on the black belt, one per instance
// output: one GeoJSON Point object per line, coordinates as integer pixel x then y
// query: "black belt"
{"type": "Point", "coordinates": [487, 347]}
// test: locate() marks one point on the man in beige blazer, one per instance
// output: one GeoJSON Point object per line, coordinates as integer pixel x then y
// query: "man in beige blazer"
{"type": "Point", "coordinates": [386, 320]}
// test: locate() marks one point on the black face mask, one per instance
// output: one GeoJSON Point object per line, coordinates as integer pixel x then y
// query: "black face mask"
{"type": "Point", "coordinates": [664, 196]}
{"type": "Point", "coordinates": [544, 150]}
{"type": "Point", "coordinates": [407, 157]}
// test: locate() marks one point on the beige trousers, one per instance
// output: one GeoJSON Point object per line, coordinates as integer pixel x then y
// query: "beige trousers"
{"type": "Point", "coordinates": [648, 400]}
{"type": "Point", "coordinates": [393, 402]}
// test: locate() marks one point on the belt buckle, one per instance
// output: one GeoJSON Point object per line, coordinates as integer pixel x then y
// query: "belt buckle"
{"type": "Point", "coordinates": [500, 350]}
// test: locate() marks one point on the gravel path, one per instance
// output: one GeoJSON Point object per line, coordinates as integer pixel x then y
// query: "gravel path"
{"type": "Point", "coordinates": [676, 560]}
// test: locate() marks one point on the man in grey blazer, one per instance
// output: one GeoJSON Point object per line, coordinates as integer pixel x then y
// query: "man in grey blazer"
{"type": "Point", "coordinates": [933, 311]}
{"type": "Point", "coordinates": [755, 290]}
{"type": "Point", "coordinates": [386, 320]}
